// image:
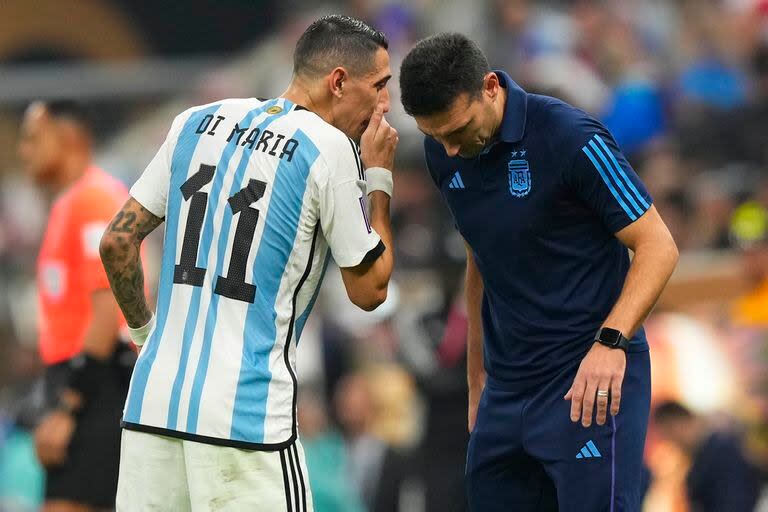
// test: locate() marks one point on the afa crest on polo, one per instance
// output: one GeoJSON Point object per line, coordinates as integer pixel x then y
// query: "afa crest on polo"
{"type": "Point", "coordinates": [519, 177]}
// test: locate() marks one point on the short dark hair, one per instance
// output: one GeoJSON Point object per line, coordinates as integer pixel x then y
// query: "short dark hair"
{"type": "Point", "coordinates": [337, 40]}
{"type": "Point", "coordinates": [71, 110]}
{"type": "Point", "coordinates": [439, 69]}
{"type": "Point", "coordinates": [670, 411]}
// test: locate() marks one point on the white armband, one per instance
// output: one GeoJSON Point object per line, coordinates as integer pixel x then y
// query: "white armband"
{"type": "Point", "coordinates": [139, 334]}
{"type": "Point", "coordinates": [379, 178]}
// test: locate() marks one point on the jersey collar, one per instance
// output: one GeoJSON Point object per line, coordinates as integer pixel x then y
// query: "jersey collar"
{"type": "Point", "coordinates": [513, 124]}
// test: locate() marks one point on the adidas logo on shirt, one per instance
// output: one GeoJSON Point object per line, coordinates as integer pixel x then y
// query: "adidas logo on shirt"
{"type": "Point", "coordinates": [588, 451]}
{"type": "Point", "coordinates": [456, 181]}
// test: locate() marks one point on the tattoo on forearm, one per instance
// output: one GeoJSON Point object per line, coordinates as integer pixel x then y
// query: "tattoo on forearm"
{"type": "Point", "coordinates": [123, 222]}
{"type": "Point", "coordinates": [120, 254]}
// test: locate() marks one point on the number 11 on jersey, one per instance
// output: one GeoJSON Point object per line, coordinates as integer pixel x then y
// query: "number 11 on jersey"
{"type": "Point", "coordinates": [186, 271]}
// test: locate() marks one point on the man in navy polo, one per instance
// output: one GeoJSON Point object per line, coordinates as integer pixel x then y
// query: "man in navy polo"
{"type": "Point", "coordinates": [548, 206]}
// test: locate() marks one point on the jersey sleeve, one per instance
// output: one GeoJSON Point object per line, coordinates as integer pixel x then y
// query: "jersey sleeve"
{"type": "Point", "coordinates": [151, 189]}
{"type": "Point", "coordinates": [344, 209]}
{"type": "Point", "coordinates": [94, 209]}
{"type": "Point", "coordinates": [604, 180]}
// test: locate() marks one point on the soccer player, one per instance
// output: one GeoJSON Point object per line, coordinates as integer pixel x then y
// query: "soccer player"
{"type": "Point", "coordinates": [256, 196]}
{"type": "Point", "coordinates": [547, 206]}
{"type": "Point", "coordinates": [87, 367]}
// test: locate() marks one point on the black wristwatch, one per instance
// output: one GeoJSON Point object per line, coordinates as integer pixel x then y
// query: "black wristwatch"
{"type": "Point", "coordinates": [612, 338]}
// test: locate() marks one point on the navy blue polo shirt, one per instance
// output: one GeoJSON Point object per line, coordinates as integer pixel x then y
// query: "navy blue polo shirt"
{"type": "Point", "coordinates": [539, 208]}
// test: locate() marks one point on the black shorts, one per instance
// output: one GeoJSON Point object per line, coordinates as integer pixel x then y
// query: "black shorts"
{"type": "Point", "coordinates": [89, 474]}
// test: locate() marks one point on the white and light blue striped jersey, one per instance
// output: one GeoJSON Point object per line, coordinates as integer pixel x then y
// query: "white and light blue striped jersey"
{"type": "Point", "coordinates": [257, 195]}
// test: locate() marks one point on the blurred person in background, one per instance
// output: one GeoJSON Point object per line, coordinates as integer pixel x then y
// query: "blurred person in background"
{"type": "Point", "coordinates": [581, 44]}
{"type": "Point", "coordinates": [710, 77]}
{"type": "Point", "coordinates": [22, 478]}
{"type": "Point", "coordinates": [376, 468]}
{"type": "Point", "coordinates": [752, 118]}
{"type": "Point", "coordinates": [87, 365]}
{"type": "Point", "coordinates": [749, 231]}
{"type": "Point", "coordinates": [217, 378]}
{"type": "Point", "coordinates": [548, 207]}
{"type": "Point", "coordinates": [433, 333]}
{"type": "Point", "coordinates": [329, 470]}
{"type": "Point", "coordinates": [720, 478]}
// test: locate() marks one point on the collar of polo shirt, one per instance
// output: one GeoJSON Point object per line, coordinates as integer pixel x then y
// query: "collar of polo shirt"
{"type": "Point", "coordinates": [513, 124]}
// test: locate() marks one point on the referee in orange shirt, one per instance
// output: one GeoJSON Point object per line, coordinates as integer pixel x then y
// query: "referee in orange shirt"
{"type": "Point", "coordinates": [87, 366]}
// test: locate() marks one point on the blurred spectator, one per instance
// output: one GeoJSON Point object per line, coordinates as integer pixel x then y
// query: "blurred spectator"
{"type": "Point", "coordinates": [720, 478]}
{"type": "Point", "coordinates": [375, 468]}
{"type": "Point", "coordinates": [752, 119]}
{"type": "Point", "coordinates": [443, 451]}
{"type": "Point", "coordinates": [683, 84]}
{"type": "Point", "coordinates": [710, 76]}
{"type": "Point", "coordinates": [635, 114]}
{"type": "Point", "coordinates": [21, 477]}
{"type": "Point", "coordinates": [634, 111]}
{"type": "Point", "coordinates": [713, 196]}
{"type": "Point", "coordinates": [712, 82]}
{"type": "Point", "coordinates": [749, 228]}
{"type": "Point", "coordinates": [87, 364]}
{"type": "Point", "coordinates": [326, 458]}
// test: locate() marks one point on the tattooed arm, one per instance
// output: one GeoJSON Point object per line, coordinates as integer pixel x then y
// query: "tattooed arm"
{"type": "Point", "coordinates": [120, 253]}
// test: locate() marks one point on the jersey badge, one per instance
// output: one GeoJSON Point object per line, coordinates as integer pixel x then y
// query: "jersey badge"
{"type": "Point", "coordinates": [519, 177]}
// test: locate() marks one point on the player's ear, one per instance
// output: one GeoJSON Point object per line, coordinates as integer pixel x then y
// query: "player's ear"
{"type": "Point", "coordinates": [491, 85]}
{"type": "Point", "coordinates": [336, 81]}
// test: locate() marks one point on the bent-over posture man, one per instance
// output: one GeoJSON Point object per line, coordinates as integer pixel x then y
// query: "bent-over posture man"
{"type": "Point", "coordinates": [548, 206]}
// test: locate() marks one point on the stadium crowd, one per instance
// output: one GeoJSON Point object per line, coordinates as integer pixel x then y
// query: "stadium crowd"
{"type": "Point", "coordinates": [683, 86]}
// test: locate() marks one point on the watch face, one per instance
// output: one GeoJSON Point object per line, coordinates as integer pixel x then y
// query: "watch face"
{"type": "Point", "coordinates": [610, 337]}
